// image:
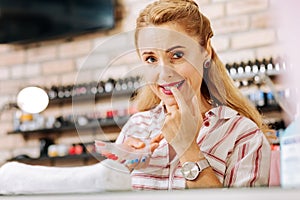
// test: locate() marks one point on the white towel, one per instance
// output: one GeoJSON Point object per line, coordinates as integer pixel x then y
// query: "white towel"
{"type": "Point", "coordinates": [108, 175]}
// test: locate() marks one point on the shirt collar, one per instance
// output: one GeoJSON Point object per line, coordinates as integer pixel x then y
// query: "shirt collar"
{"type": "Point", "coordinates": [222, 112]}
{"type": "Point", "coordinates": [158, 110]}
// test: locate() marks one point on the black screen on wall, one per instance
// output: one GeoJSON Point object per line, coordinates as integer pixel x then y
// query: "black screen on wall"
{"type": "Point", "coordinates": [23, 21]}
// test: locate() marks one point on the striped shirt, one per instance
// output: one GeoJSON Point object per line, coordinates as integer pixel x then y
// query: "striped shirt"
{"type": "Point", "coordinates": [235, 147]}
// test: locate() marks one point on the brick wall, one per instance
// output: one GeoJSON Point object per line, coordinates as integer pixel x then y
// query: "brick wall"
{"type": "Point", "coordinates": [244, 29]}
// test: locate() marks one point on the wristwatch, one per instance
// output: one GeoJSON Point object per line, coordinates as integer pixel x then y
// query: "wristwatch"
{"type": "Point", "coordinates": [191, 170]}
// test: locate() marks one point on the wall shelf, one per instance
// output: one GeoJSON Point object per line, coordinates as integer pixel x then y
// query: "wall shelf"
{"type": "Point", "coordinates": [269, 108]}
{"type": "Point", "coordinates": [81, 159]}
{"type": "Point", "coordinates": [90, 97]}
{"type": "Point", "coordinates": [252, 75]}
{"type": "Point", "coordinates": [105, 124]}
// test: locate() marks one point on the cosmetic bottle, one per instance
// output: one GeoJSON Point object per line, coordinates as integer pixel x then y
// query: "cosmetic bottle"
{"type": "Point", "coordinates": [136, 82]}
{"type": "Point", "coordinates": [52, 93]}
{"type": "Point", "coordinates": [262, 66]}
{"type": "Point", "coordinates": [255, 68]}
{"type": "Point", "coordinates": [227, 66]}
{"type": "Point", "coordinates": [241, 69]}
{"type": "Point", "coordinates": [290, 155]}
{"type": "Point", "coordinates": [68, 91]}
{"type": "Point", "coordinates": [118, 85]}
{"type": "Point", "coordinates": [109, 85]}
{"type": "Point", "coordinates": [129, 81]}
{"type": "Point", "coordinates": [233, 70]}
{"type": "Point", "coordinates": [100, 87]}
{"type": "Point", "coordinates": [270, 65]}
{"type": "Point", "coordinates": [61, 92]}
{"type": "Point", "coordinates": [93, 88]}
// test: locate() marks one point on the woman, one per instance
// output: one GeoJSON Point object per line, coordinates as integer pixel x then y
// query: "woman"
{"type": "Point", "coordinates": [203, 131]}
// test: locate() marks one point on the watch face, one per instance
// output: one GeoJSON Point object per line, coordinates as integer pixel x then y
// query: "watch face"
{"type": "Point", "coordinates": [190, 170]}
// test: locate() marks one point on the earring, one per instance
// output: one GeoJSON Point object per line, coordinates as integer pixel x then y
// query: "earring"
{"type": "Point", "coordinates": [207, 63]}
{"type": "Point", "coordinates": [210, 101]}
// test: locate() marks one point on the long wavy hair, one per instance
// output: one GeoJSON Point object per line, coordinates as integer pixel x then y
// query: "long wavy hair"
{"type": "Point", "coordinates": [217, 85]}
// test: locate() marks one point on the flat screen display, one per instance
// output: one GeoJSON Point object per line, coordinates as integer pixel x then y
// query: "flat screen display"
{"type": "Point", "coordinates": [23, 21]}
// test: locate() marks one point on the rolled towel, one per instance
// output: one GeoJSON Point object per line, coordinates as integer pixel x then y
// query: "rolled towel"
{"type": "Point", "coordinates": [19, 178]}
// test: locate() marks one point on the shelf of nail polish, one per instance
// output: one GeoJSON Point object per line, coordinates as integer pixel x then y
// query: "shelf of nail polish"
{"type": "Point", "coordinates": [252, 68]}
{"type": "Point", "coordinates": [93, 90]}
{"type": "Point", "coordinates": [52, 154]}
{"type": "Point", "coordinates": [39, 124]}
{"type": "Point", "coordinates": [97, 124]}
{"type": "Point", "coordinates": [265, 101]}
{"type": "Point", "coordinates": [250, 78]}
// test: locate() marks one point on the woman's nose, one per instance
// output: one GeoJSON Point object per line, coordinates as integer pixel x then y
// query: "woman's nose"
{"type": "Point", "coordinates": [166, 71]}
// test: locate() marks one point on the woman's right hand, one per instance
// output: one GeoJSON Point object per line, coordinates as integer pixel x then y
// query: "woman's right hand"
{"type": "Point", "coordinates": [182, 124]}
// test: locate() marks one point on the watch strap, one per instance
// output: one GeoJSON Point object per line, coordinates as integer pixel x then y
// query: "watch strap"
{"type": "Point", "coordinates": [203, 164]}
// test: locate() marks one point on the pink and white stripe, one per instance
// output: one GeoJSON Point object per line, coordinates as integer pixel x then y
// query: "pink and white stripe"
{"type": "Point", "coordinates": [236, 149]}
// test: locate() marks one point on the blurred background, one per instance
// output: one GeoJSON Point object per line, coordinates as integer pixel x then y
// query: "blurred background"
{"type": "Point", "coordinates": [45, 43]}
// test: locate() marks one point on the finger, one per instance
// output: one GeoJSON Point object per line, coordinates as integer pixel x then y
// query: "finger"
{"type": "Point", "coordinates": [196, 107]}
{"type": "Point", "coordinates": [144, 162]}
{"type": "Point", "coordinates": [99, 143]}
{"type": "Point", "coordinates": [153, 146]}
{"type": "Point", "coordinates": [183, 106]}
{"type": "Point", "coordinates": [135, 143]}
{"type": "Point", "coordinates": [110, 155]}
{"type": "Point", "coordinates": [105, 152]}
{"type": "Point", "coordinates": [157, 138]}
{"type": "Point", "coordinates": [171, 109]}
{"type": "Point", "coordinates": [179, 99]}
{"type": "Point", "coordinates": [131, 164]}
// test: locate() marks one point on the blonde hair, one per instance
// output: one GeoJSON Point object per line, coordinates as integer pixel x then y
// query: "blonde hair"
{"type": "Point", "coordinates": [216, 81]}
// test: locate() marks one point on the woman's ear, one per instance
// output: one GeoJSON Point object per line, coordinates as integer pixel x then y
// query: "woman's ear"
{"type": "Point", "coordinates": [209, 48]}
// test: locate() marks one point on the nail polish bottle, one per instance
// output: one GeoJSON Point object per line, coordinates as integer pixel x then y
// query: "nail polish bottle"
{"type": "Point", "coordinates": [109, 85]}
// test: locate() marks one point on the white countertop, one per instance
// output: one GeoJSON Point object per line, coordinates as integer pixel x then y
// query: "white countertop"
{"type": "Point", "coordinates": [203, 194]}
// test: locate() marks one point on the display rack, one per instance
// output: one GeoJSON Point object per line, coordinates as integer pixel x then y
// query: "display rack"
{"type": "Point", "coordinates": [110, 125]}
{"type": "Point", "coordinates": [244, 74]}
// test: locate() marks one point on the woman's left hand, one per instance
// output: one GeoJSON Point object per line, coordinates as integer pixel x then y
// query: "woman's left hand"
{"type": "Point", "coordinates": [135, 143]}
{"type": "Point", "coordinates": [182, 123]}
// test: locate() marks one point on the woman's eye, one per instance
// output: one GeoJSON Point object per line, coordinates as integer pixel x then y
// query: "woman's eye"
{"type": "Point", "coordinates": [177, 55]}
{"type": "Point", "coordinates": [150, 59]}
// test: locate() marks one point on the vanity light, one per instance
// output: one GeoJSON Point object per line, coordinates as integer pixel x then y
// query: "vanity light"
{"type": "Point", "coordinates": [32, 100]}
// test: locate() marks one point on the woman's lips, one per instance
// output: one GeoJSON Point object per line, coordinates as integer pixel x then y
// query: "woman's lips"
{"type": "Point", "coordinates": [166, 88]}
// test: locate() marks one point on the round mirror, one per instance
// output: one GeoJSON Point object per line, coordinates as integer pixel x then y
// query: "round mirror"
{"type": "Point", "coordinates": [32, 100]}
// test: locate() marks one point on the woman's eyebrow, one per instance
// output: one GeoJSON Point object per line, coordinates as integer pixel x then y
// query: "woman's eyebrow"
{"type": "Point", "coordinates": [175, 47]}
{"type": "Point", "coordinates": [168, 50]}
{"type": "Point", "coordinates": [147, 52]}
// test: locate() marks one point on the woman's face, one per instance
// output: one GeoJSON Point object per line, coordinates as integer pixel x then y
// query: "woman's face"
{"type": "Point", "coordinates": [171, 59]}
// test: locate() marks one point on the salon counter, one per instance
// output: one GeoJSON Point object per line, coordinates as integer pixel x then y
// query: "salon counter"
{"type": "Point", "coordinates": [203, 194]}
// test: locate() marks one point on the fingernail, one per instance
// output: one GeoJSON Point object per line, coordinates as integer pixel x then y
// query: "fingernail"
{"type": "Point", "coordinates": [112, 156]}
{"type": "Point", "coordinates": [144, 159]}
{"type": "Point", "coordinates": [140, 144]}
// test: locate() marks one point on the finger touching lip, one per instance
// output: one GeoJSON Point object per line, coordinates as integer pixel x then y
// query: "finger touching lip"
{"type": "Point", "coordinates": [166, 88]}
